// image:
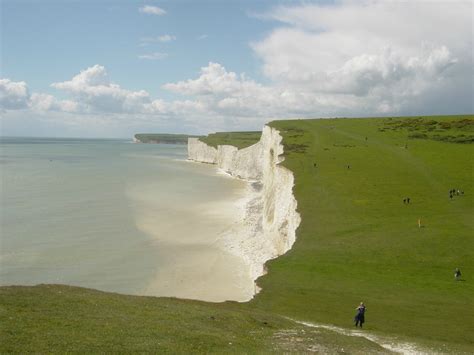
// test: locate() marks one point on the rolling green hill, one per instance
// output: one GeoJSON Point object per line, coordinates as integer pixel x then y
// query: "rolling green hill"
{"type": "Point", "coordinates": [358, 241]}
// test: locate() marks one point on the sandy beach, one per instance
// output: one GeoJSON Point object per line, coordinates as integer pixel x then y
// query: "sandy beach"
{"type": "Point", "coordinates": [199, 262]}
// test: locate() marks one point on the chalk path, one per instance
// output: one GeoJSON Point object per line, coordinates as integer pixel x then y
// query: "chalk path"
{"type": "Point", "coordinates": [391, 344]}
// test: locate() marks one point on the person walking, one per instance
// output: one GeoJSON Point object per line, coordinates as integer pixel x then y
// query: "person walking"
{"type": "Point", "coordinates": [457, 274]}
{"type": "Point", "coordinates": [360, 316]}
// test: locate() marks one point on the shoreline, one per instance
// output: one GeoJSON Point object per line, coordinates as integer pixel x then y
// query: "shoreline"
{"type": "Point", "coordinates": [202, 268]}
{"type": "Point", "coordinates": [269, 219]}
{"type": "Point", "coordinates": [241, 237]}
{"type": "Point", "coordinates": [245, 239]}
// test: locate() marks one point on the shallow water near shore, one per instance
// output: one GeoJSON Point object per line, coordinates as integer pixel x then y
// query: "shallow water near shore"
{"type": "Point", "coordinates": [115, 216]}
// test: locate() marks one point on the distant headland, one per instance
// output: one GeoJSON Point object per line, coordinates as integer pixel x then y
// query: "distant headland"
{"type": "Point", "coordinates": [163, 138]}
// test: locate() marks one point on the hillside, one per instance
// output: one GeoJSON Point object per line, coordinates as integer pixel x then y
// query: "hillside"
{"type": "Point", "coordinates": [59, 319]}
{"type": "Point", "coordinates": [358, 240]}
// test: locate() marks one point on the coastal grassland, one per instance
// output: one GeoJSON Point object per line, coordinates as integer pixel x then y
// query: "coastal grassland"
{"type": "Point", "coordinates": [65, 319]}
{"type": "Point", "coordinates": [358, 241]}
{"type": "Point", "coordinates": [163, 138]}
{"type": "Point", "coordinates": [237, 139]}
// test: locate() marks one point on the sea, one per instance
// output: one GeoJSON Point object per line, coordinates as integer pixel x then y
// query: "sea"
{"type": "Point", "coordinates": [118, 216]}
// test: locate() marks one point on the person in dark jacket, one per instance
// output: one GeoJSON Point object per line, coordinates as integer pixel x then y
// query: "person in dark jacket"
{"type": "Point", "coordinates": [457, 274]}
{"type": "Point", "coordinates": [359, 318]}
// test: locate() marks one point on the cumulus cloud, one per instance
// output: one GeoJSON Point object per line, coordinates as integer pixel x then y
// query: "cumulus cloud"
{"type": "Point", "coordinates": [349, 59]}
{"type": "Point", "coordinates": [152, 10]}
{"type": "Point", "coordinates": [226, 93]}
{"type": "Point", "coordinates": [13, 94]}
{"type": "Point", "coordinates": [16, 96]}
{"type": "Point", "coordinates": [94, 90]}
{"type": "Point", "coordinates": [213, 80]}
{"type": "Point", "coordinates": [40, 102]}
{"type": "Point", "coordinates": [384, 54]}
{"type": "Point", "coordinates": [153, 56]}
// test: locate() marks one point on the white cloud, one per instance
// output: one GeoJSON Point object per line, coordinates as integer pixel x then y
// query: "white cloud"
{"type": "Point", "coordinates": [166, 38]}
{"type": "Point", "coordinates": [93, 93]}
{"type": "Point", "coordinates": [13, 94]}
{"type": "Point", "coordinates": [214, 80]}
{"type": "Point", "coordinates": [40, 102]}
{"type": "Point", "coordinates": [202, 37]}
{"type": "Point", "coordinates": [348, 59]}
{"type": "Point", "coordinates": [16, 96]}
{"type": "Point", "coordinates": [152, 10]}
{"type": "Point", "coordinates": [94, 90]}
{"type": "Point", "coordinates": [153, 56]}
{"type": "Point", "coordinates": [385, 55]}
{"type": "Point", "coordinates": [224, 93]}
{"type": "Point", "coordinates": [144, 41]}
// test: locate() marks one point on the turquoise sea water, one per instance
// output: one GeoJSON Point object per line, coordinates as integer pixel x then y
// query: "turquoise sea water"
{"type": "Point", "coordinates": [117, 216]}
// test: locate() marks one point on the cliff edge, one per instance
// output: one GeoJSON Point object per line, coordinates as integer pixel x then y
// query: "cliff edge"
{"type": "Point", "coordinates": [271, 218]}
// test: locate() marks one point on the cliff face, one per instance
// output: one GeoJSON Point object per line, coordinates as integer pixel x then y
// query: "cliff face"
{"type": "Point", "coordinates": [271, 216]}
{"type": "Point", "coordinates": [201, 152]}
{"type": "Point", "coordinates": [244, 163]}
{"type": "Point", "coordinates": [280, 218]}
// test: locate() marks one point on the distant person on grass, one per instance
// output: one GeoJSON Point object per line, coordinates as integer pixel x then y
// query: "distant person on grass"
{"type": "Point", "coordinates": [360, 316]}
{"type": "Point", "coordinates": [457, 274]}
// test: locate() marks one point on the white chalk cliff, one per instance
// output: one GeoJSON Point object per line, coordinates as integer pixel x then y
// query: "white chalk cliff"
{"type": "Point", "coordinates": [271, 219]}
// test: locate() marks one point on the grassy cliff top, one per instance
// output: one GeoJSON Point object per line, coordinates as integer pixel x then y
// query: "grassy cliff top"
{"type": "Point", "coordinates": [237, 139]}
{"type": "Point", "coordinates": [358, 241]}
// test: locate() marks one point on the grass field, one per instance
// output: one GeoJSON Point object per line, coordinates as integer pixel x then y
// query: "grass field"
{"type": "Point", "coordinates": [237, 139]}
{"type": "Point", "coordinates": [64, 319]}
{"type": "Point", "coordinates": [357, 242]}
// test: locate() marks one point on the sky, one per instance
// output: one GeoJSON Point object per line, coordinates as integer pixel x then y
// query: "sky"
{"type": "Point", "coordinates": [114, 68]}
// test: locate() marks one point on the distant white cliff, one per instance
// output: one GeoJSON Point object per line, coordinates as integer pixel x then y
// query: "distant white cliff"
{"type": "Point", "coordinates": [271, 218]}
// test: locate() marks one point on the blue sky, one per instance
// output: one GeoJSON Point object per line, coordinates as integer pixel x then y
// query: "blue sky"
{"type": "Point", "coordinates": [112, 68]}
{"type": "Point", "coordinates": [43, 40]}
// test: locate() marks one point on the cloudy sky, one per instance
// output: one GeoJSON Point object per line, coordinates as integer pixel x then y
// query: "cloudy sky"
{"type": "Point", "coordinates": [113, 68]}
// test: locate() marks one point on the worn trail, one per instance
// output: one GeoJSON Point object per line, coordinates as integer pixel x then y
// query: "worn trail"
{"type": "Point", "coordinates": [389, 343]}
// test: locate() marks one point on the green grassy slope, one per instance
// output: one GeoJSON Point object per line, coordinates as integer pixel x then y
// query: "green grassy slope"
{"type": "Point", "coordinates": [237, 139]}
{"type": "Point", "coordinates": [358, 241]}
{"type": "Point", "coordinates": [59, 319]}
